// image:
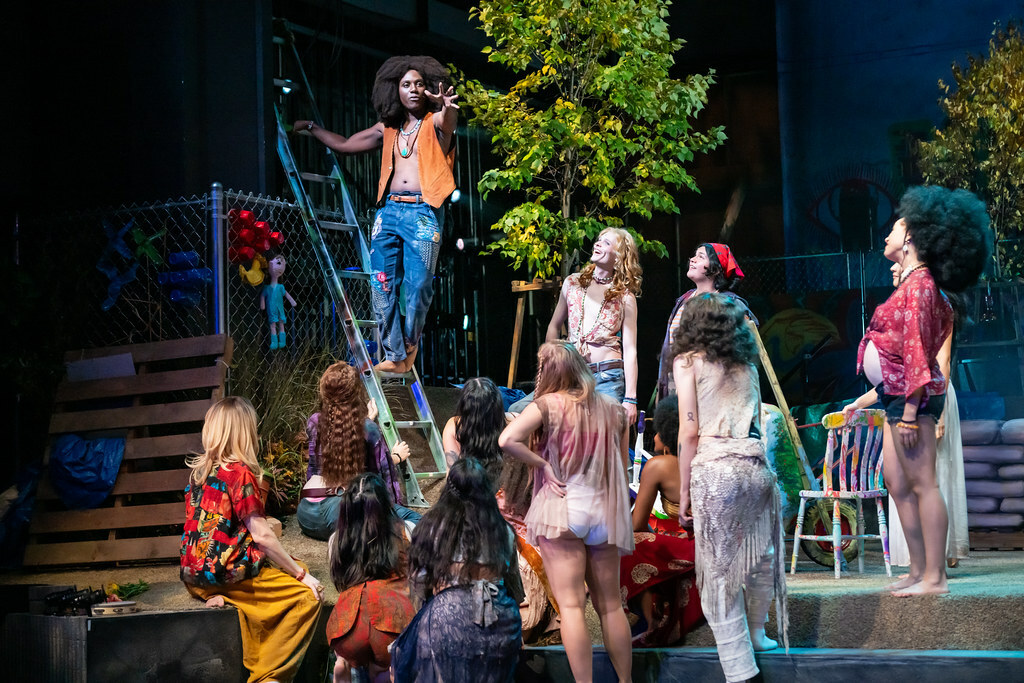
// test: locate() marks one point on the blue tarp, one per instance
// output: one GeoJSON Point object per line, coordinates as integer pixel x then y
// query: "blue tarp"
{"type": "Point", "coordinates": [83, 471]}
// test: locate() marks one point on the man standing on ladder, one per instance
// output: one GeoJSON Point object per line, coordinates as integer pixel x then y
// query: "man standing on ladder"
{"type": "Point", "coordinates": [416, 133]}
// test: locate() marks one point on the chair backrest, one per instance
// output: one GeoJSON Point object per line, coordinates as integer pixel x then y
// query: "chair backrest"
{"type": "Point", "coordinates": [853, 451]}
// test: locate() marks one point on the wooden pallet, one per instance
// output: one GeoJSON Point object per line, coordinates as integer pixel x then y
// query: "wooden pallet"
{"type": "Point", "coordinates": [160, 412]}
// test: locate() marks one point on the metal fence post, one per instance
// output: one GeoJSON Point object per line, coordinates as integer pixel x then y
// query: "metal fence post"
{"type": "Point", "coordinates": [220, 298]}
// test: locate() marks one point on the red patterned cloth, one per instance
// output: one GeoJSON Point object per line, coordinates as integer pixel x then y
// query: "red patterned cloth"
{"type": "Point", "coordinates": [908, 331]}
{"type": "Point", "coordinates": [367, 618]}
{"type": "Point", "coordinates": [216, 547]}
{"type": "Point", "coordinates": [663, 565]}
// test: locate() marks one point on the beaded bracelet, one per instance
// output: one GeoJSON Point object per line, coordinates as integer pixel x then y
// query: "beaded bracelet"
{"type": "Point", "coordinates": [631, 401]}
{"type": "Point", "coordinates": [907, 425]}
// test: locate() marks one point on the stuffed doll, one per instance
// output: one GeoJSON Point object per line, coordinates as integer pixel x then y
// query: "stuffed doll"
{"type": "Point", "coordinates": [272, 301]}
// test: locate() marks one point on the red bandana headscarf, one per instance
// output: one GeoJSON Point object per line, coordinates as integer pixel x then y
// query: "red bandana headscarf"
{"type": "Point", "coordinates": [726, 259]}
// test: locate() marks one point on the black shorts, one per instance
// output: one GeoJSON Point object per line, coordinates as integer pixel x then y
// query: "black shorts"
{"type": "Point", "coordinates": [893, 406]}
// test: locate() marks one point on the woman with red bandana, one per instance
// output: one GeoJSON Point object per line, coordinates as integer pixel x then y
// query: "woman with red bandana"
{"type": "Point", "coordinates": [713, 268]}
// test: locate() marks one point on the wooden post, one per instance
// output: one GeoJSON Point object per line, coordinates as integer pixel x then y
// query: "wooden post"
{"type": "Point", "coordinates": [522, 288]}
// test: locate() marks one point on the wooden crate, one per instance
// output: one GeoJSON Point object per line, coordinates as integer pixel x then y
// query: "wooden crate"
{"type": "Point", "coordinates": [160, 412]}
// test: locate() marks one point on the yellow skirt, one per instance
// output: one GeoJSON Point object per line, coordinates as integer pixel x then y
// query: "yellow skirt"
{"type": "Point", "coordinates": [277, 616]}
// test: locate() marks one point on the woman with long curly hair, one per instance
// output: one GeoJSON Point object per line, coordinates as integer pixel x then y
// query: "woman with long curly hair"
{"type": "Point", "coordinates": [344, 442]}
{"type": "Point", "coordinates": [599, 305]}
{"type": "Point", "coordinates": [227, 548]}
{"type": "Point", "coordinates": [416, 132]}
{"type": "Point", "coordinates": [579, 516]}
{"type": "Point", "coordinates": [941, 240]}
{"type": "Point", "coordinates": [462, 567]}
{"type": "Point", "coordinates": [724, 476]}
{"type": "Point", "coordinates": [367, 557]}
{"type": "Point", "coordinates": [712, 268]}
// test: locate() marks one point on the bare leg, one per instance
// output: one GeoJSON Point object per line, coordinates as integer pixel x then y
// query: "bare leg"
{"type": "Point", "coordinates": [342, 671]}
{"type": "Point", "coordinates": [906, 504]}
{"type": "Point", "coordinates": [565, 560]}
{"type": "Point", "coordinates": [759, 591]}
{"type": "Point", "coordinates": [603, 579]}
{"type": "Point", "coordinates": [931, 517]}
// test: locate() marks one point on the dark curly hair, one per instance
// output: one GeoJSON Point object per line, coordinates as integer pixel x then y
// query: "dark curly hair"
{"type": "Point", "coordinates": [950, 229]}
{"type": "Point", "coordinates": [385, 88]}
{"type": "Point", "coordinates": [716, 272]}
{"type": "Point", "coordinates": [368, 544]}
{"type": "Point", "coordinates": [460, 534]}
{"type": "Point", "coordinates": [715, 326]}
{"type": "Point", "coordinates": [666, 420]}
{"type": "Point", "coordinates": [479, 420]}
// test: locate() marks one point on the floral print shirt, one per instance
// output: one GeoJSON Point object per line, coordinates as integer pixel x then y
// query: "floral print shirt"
{"type": "Point", "coordinates": [908, 331]}
{"type": "Point", "coordinates": [605, 329]}
{"type": "Point", "coordinates": [216, 547]}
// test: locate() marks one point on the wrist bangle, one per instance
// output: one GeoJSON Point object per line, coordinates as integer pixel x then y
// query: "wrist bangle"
{"type": "Point", "coordinates": [629, 400]}
{"type": "Point", "coordinates": [301, 575]}
{"type": "Point", "coordinates": [907, 425]}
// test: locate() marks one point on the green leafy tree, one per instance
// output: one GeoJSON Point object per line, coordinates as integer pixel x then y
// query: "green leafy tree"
{"type": "Point", "coordinates": [981, 145]}
{"type": "Point", "coordinates": [594, 130]}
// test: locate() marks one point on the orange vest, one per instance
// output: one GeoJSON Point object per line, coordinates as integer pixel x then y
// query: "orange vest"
{"type": "Point", "coordinates": [435, 167]}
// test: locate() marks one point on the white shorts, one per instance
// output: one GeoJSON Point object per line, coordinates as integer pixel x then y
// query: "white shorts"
{"type": "Point", "coordinates": [586, 512]}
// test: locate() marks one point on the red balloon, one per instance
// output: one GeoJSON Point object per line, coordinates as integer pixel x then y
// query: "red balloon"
{"type": "Point", "coordinates": [276, 239]}
{"type": "Point", "coordinates": [262, 246]}
{"type": "Point", "coordinates": [246, 217]}
{"type": "Point", "coordinates": [262, 229]}
{"type": "Point", "coordinates": [247, 253]}
{"type": "Point", "coordinates": [247, 236]}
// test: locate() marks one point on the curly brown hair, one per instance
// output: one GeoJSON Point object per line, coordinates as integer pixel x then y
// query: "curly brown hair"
{"type": "Point", "coordinates": [385, 87]}
{"type": "Point", "coordinates": [715, 326]}
{"type": "Point", "coordinates": [627, 275]}
{"type": "Point", "coordinates": [342, 431]}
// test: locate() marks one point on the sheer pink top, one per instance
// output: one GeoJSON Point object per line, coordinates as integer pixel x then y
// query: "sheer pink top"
{"type": "Point", "coordinates": [583, 442]}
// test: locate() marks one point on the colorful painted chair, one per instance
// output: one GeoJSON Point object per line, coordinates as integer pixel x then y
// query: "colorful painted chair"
{"type": "Point", "coordinates": [852, 471]}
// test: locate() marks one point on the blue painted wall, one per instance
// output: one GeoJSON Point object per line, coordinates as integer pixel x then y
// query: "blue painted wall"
{"type": "Point", "coordinates": [852, 77]}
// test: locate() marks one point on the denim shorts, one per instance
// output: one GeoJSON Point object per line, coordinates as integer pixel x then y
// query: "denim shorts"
{"type": "Point", "coordinates": [893, 406]}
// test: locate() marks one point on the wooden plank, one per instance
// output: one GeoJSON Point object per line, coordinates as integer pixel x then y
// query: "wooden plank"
{"type": "Point", "coordinates": [996, 540]}
{"type": "Point", "coordinates": [125, 418]}
{"type": "Point", "coordinates": [163, 446]}
{"type": "Point", "coordinates": [137, 385]}
{"type": "Point", "coordinates": [131, 483]}
{"type": "Point", "coordinates": [212, 345]}
{"type": "Point", "coordinates": [89, 552]}
{"type": "Point", "coordinates": [517, 337]}
{"type": "Point", "coordinates": [108, 518]}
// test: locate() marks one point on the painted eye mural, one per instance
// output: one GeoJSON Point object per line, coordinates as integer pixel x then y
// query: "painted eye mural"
{"type": "Point", "coordinates": [854, 210]}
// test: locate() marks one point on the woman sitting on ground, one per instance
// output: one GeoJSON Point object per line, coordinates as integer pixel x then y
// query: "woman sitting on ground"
{"type": "Point", "coordinates": [462, 566]}
{"type": "Point", "coordinates": [658, 580]}
{"type": "Point", "coordinates": [367, 556]}
{"type": "Point", "coordinates": [343, 442]}
{"type": "Point", "coordinates": [227, 547]}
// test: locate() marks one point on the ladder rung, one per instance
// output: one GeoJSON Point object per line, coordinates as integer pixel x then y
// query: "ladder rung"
{"type": "Point", "coordinates": [414, 424]}
{"type": "Point", "coordinates": [366, 323]}
{"type": "Point", "coordinates": [331, 225]}
{"type": "Point", "coordinates": [353, 274]}
{"type": "Point", "coordinates": [318, 177]}
{"type": "Point", "coordinates": [433, 475]}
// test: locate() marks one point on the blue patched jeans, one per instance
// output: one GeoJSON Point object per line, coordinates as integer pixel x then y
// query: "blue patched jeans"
{"type": "Point", "coordinates": [404, 244]}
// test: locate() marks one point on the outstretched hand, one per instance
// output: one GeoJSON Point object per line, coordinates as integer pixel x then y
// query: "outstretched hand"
{"type": "Point", "coordinates": [552, 482]}
{"type": "Point", "coordinates": [445, 98]}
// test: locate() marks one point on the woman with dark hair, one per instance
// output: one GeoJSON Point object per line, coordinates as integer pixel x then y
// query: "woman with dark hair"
{"type": "Point", "coordinates": [712, 268]}
{"type": "Point", "coordinates": [579, 516]}
{"type": "Point", "coordinates": [658, 578]}
{"type": "Point", "coordinates": [416, 133]}
{"type": "Point", "coordinates": [474, 429]}
{"type": "Point", "coordinates": [462, 567]}
{"type": "Point", "coordinates": [725, 476]}
{"type": "Point", "coordinates": [367, 557]}
{"type": "Point", "coordinates": [940, 241]}
{"type": "Point", "coordinates": [344, 442]}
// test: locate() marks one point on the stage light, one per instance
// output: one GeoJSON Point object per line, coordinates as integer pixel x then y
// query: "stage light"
{"type": "Point", "coordinates": [465, 322]}
{"type": "Point", "coordinates": [286, 85]}
{"type": "Point", "coordinates": [456, 195]}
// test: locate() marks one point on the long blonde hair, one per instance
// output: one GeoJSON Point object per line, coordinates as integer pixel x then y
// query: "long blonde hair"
{"type": "Point", "coordinates": [229, 436]}
{"type": "Point", "coordinates": [627, 275]}
{"type": "Point", "coordinates": [560, 367]}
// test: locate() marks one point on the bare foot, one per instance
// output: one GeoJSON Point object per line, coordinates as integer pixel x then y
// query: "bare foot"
{"type": "Point", "coordinates": [922, 588]}
{"type": "Point", "coordinates": [215, 601]}
{"type": "Point", "coordinates": [394, 366]}
{"type": "Point", "coordinates": [905, 581]}
{"type": "Point", "coordinates": [761, 642]}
